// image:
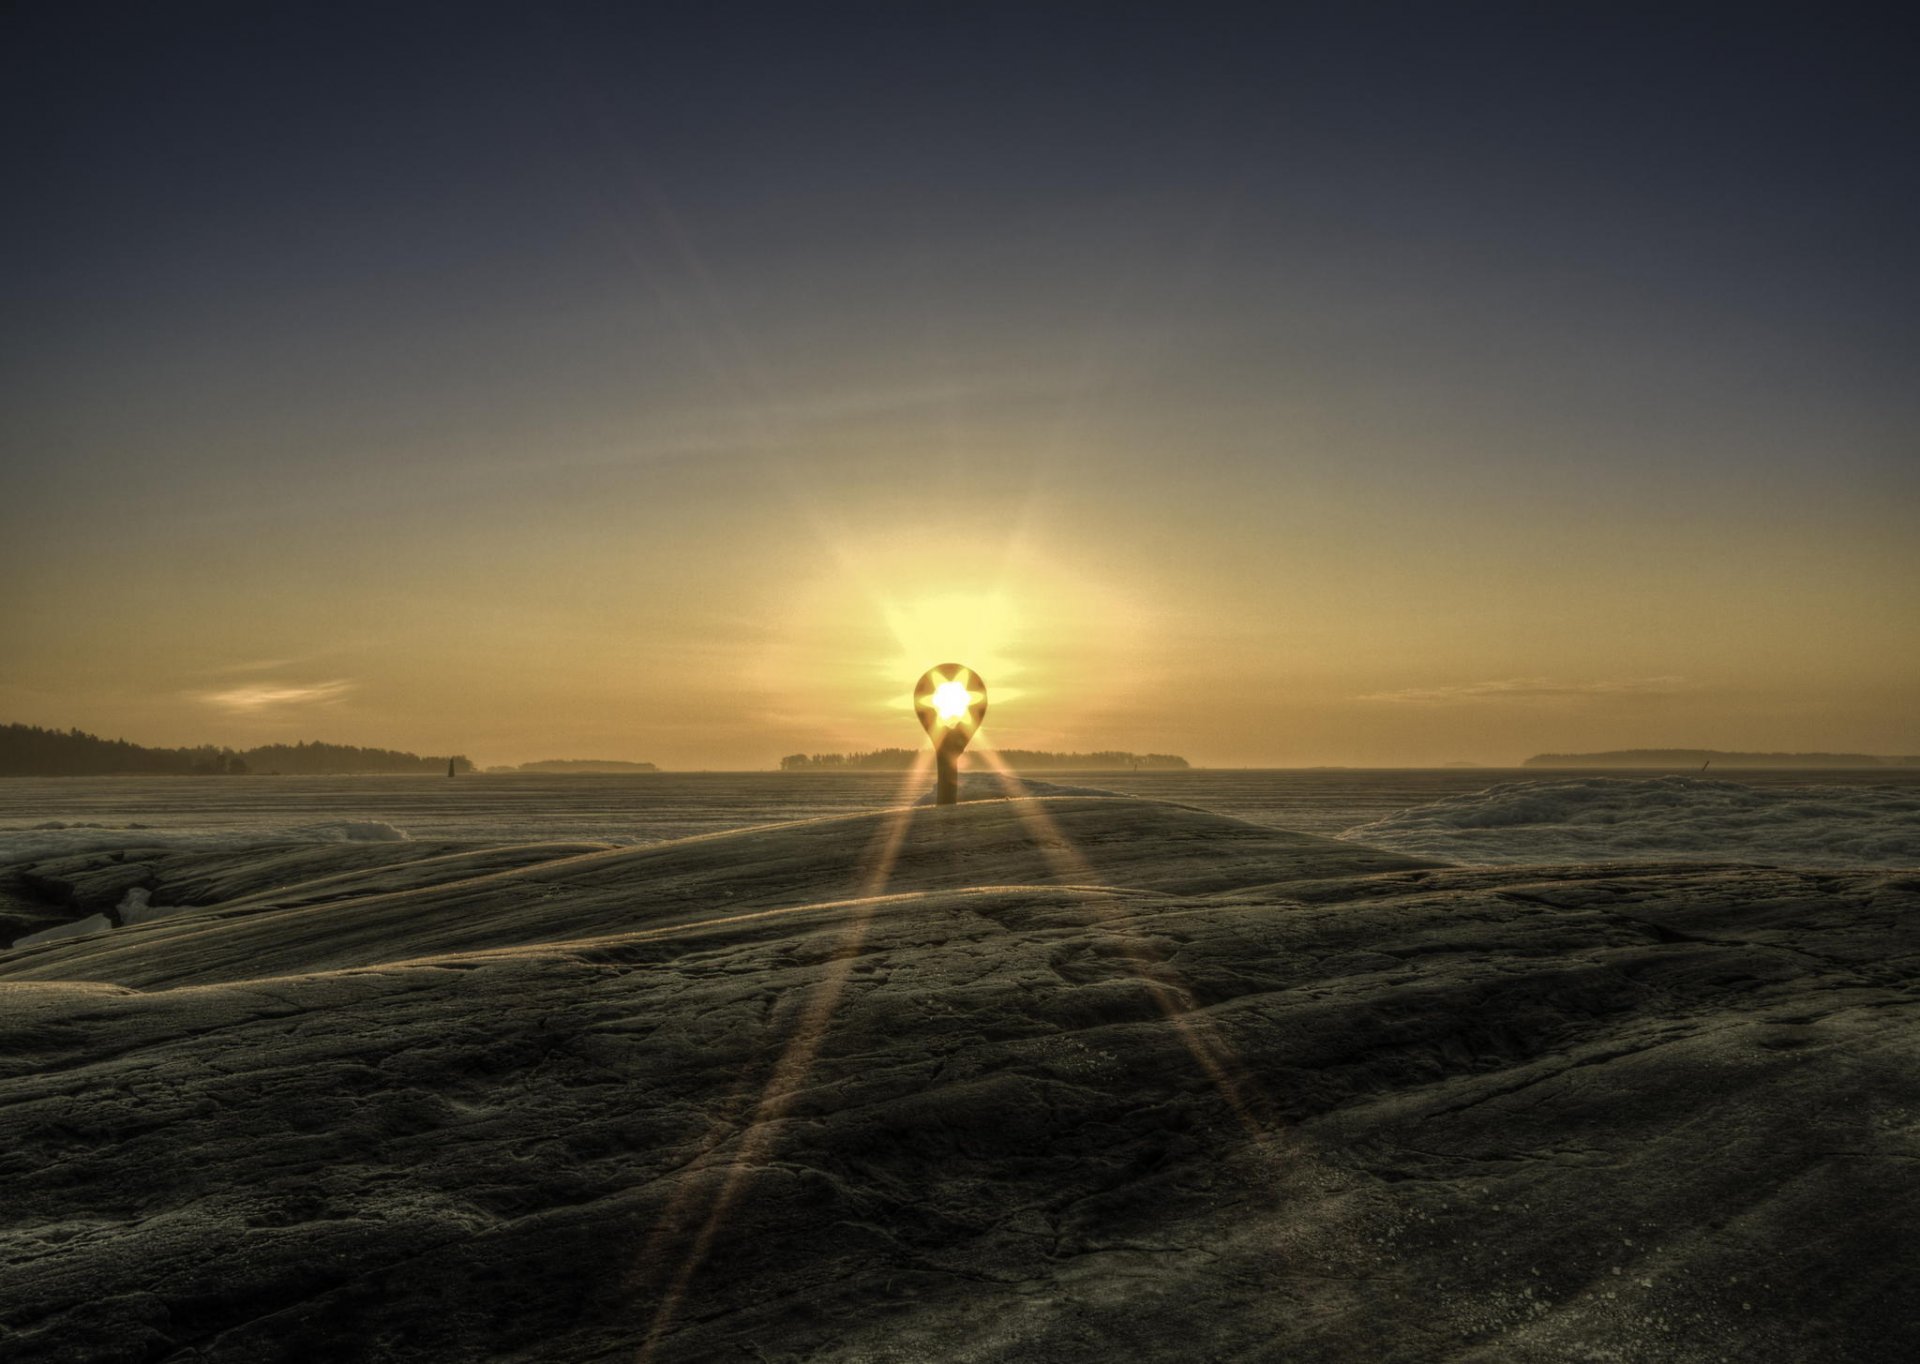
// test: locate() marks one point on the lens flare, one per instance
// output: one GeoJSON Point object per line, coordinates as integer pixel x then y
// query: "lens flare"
{"type": "Point", "coordinates": [950, 701]}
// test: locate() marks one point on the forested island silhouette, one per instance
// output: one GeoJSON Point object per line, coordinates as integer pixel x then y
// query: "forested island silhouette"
{"type": "Point", "coordinates": [594, 767]}
{"type": "Point", "coordinates": [30, 751]}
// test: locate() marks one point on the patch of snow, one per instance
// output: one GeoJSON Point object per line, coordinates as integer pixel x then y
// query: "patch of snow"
{"type": "Point", "coordinates": [137, 907]}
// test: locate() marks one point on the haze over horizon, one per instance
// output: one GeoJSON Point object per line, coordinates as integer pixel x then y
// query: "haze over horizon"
{"type": "Point", "coordinates": [1360, 388]}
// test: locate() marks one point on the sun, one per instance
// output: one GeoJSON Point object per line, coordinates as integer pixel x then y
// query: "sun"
{"type": "Point", "coordinates": [951, 701]}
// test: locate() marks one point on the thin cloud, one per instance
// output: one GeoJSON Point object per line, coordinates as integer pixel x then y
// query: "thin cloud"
{"type": "Point", "coordinates": [1531, 689]}
{"type": "Point", "coordinates": [269, 695]}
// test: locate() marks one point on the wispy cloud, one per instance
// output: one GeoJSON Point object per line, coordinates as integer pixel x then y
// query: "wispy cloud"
{"type": "Point", "coordinates": [271, 695]}
{"type": "Point", "coordinates": [1531, 689]}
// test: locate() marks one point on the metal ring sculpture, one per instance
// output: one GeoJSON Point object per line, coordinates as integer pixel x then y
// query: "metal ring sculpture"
{"type": "Point", "coordinates": [951, 701]}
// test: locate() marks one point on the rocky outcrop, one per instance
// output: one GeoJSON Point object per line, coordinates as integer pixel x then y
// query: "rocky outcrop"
{"type": "Point", "coordinates": [1056, 1080]}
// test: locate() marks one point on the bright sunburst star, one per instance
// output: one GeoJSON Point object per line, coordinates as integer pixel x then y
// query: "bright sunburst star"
{"type": "Point", "coordinates": [951, 701]}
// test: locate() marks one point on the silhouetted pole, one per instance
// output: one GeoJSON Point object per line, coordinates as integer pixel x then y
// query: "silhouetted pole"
{"type": "Point", "coordinates": [946, 786]}
{"type": "Point", "coordinates": [951, 701]}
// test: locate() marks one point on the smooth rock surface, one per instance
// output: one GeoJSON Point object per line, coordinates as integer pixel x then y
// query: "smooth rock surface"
{"type": "Point", "coordinates": [1055, 1080]}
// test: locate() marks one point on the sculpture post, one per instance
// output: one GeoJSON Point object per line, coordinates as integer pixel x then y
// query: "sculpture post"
{"type": "Point", "coordinates": [951, 701]}
{"type": "Point", "coordinates": [946, 781]}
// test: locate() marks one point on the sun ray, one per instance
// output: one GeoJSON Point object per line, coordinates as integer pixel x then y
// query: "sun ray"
{"type": "Point", "coordinates": [787, 1078]}
{"type": "Point", "coordinates": [1198, 1034]}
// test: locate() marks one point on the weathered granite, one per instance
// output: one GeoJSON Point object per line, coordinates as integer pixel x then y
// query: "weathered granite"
{"type": "Point", "coordinates": [1067, 1080]}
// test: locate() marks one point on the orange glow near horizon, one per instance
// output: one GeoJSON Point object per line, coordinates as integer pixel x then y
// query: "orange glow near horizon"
{"type": "Point", "coordinates": [1385, 643]}
{"type": "Point", "coordinates": [863, 625]}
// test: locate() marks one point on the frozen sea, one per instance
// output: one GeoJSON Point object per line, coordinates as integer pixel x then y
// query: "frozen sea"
{"type": "Point", "coordinates": [1477, 815]}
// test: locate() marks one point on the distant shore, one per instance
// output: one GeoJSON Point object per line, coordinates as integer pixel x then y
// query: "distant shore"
{"type": "Point", "coordinates": [1657, 759]}
{"type": "Point", "coordinates": [31, 751]}
{"type": "Point", "coordinates": [575, 767]}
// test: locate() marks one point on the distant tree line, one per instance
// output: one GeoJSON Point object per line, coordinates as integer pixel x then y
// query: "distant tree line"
{"type": "Point", "coordinates": [898, 759]}
{"type": "Point", "coordinates": [29, 751]}
{"type": "Point", "coordinates": [307, 759]}
{"type": "Point", "coordinates": [589, 766]}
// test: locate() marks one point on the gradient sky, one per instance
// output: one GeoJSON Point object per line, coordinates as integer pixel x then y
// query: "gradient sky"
{"type": "Point", "coordinates": [1350, 385]}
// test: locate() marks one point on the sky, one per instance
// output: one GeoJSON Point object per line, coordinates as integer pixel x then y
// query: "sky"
{"type": "Point", "coordinates": [1347, 384]}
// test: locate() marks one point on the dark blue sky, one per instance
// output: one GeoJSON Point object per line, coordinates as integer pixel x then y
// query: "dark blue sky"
{"type": "Point", "coordinates": [303, 180]}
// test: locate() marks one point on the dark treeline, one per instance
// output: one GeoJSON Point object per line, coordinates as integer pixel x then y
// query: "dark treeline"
{"type": "Point", "coordinates": [29, 751]}
{"type": "Point", "coordinates": [588, 766]}
{"type": "Point", "coordinates": [897, 759]}
{"type": "Point", "coordinates": [307, 759]}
